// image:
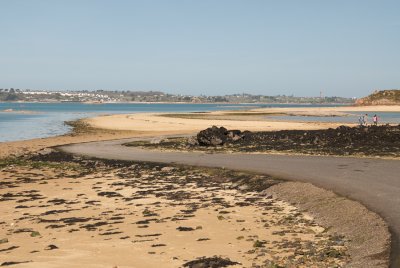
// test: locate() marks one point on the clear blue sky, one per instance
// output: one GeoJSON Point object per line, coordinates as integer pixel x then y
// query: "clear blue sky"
{"type": "Point", "coordinates": [342, 47]}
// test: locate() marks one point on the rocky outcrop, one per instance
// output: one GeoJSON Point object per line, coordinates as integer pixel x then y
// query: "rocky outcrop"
{"type": "Point", "coordinates": [215, 136]}
{"type": "Point", "coordinates": [344, 140]}
{"type": "Point", "coordinates": [383, 97]}
{"type": "Point", "coordinates": [383, 140]}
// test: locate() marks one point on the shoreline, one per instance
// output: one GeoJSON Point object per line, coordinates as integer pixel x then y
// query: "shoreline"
{"type": "Point", "coordinates": [118, 126]}
{"type": "Point", "coordinates": [85, 131]}
{"type": "Point", "coordinates": [150, 102]}
{"type": "Point", "coordinates": [245, 115]}
{"type": "Point", "coordinates": [369, 107]}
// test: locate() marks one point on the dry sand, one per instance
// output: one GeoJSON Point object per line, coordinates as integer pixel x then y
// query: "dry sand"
{"type": "Point", "coordinates": [61, 215]}
{"type": "Point", "coordinates": [252, 120]}
{"type": "Point", "coordinates": [167, 124]}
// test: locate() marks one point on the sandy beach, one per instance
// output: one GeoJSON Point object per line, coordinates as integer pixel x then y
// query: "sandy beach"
{"type": "Point", "coordinates": [64, 212]}
{"type": "Point", "coordinates": [199, 134]}
{"type": "Point", "coordinates": [252, 120]}
{"type": "Point", "coordinates": [74, 215]}
{"type": "Point", "coordinates": [155, 124]}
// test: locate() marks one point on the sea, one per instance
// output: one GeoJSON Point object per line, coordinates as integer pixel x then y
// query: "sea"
{"type": "Point", "coordinates": [24, 121]}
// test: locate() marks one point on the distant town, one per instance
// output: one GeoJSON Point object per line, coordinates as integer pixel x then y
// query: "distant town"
{"type": "Point", "coordinates": [109, 96]}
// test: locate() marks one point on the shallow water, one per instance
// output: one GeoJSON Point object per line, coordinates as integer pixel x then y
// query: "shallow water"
{"type": "Point", "coordinates": [383, 117]}
{"type": "Point", "coordinates": [39, 120]}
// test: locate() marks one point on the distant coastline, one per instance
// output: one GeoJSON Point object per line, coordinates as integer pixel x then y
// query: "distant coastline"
{"type": "Point", "coordinates": [180, 102]}
{"type": "Point", "coordinates": [12, 111]}
{"type": "Point", "coordinates": [107, 96]}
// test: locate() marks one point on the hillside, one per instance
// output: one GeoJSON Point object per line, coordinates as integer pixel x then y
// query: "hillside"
{"type": "Point", "coordinates": [382, 97]}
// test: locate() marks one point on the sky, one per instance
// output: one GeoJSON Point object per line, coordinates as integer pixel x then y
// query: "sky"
{"type": "Point", "coordinates": [214, 47]}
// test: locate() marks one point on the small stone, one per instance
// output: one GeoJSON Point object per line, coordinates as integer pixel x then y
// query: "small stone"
{"type": "Point", "coordinates": [51, 247]}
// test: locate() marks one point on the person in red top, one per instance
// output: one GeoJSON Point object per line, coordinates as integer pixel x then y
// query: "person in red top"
{"type": "Point", "coordinates": [375, 120]}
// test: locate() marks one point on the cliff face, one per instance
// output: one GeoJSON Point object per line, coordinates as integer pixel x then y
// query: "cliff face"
{"type": "Point", "coordinates": [382, 97]}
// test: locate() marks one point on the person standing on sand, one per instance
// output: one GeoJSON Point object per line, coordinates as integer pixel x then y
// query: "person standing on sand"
{"type": "Point", "coordinates": [365, 119]}
{"type": "Point", "coordinates": [375, 120]}
{"type": "Point", "coordinates": [361, 121]}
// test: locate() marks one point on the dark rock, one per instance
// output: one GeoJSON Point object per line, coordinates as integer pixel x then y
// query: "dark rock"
{"type": "Point", "coordinates": [158, 245]}
{"type": "Point", "coordinates": [9, 249]}
{"type": "Point", "coordinates": [8, 263]}
{"type": "Point", "coordinates": [184, 229]}
{"type": "Point", "coordinates": [383, 140]}
{"type": "Point", "coordinates": [212, 136]}
{"type": "Point", "coordinates": [215, 136]}
{"type": "Point", "coordinates": [109, 194]}
{"type": "Point", "coordinates": [213, 262]}
{"type": "Point", "coordinates": [51, 247]}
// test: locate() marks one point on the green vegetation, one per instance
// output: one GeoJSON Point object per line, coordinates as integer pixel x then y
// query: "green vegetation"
{"type": "Point", "coordinates": [35, 234]}
{"type": "Point", "coordinates": [13, 161]}
{"type": "Point", "coordinates": [258, 244]}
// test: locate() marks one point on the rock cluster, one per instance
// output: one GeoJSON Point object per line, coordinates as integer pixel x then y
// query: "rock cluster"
{"type": "Point", "coordinates": [210, 263]}
{"type": "Point", "coordinates": [381, 140]}
{"type": "Point", "coordinates": [344, 140]}
{"type": "Point", "coordinates": [215, 136]}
